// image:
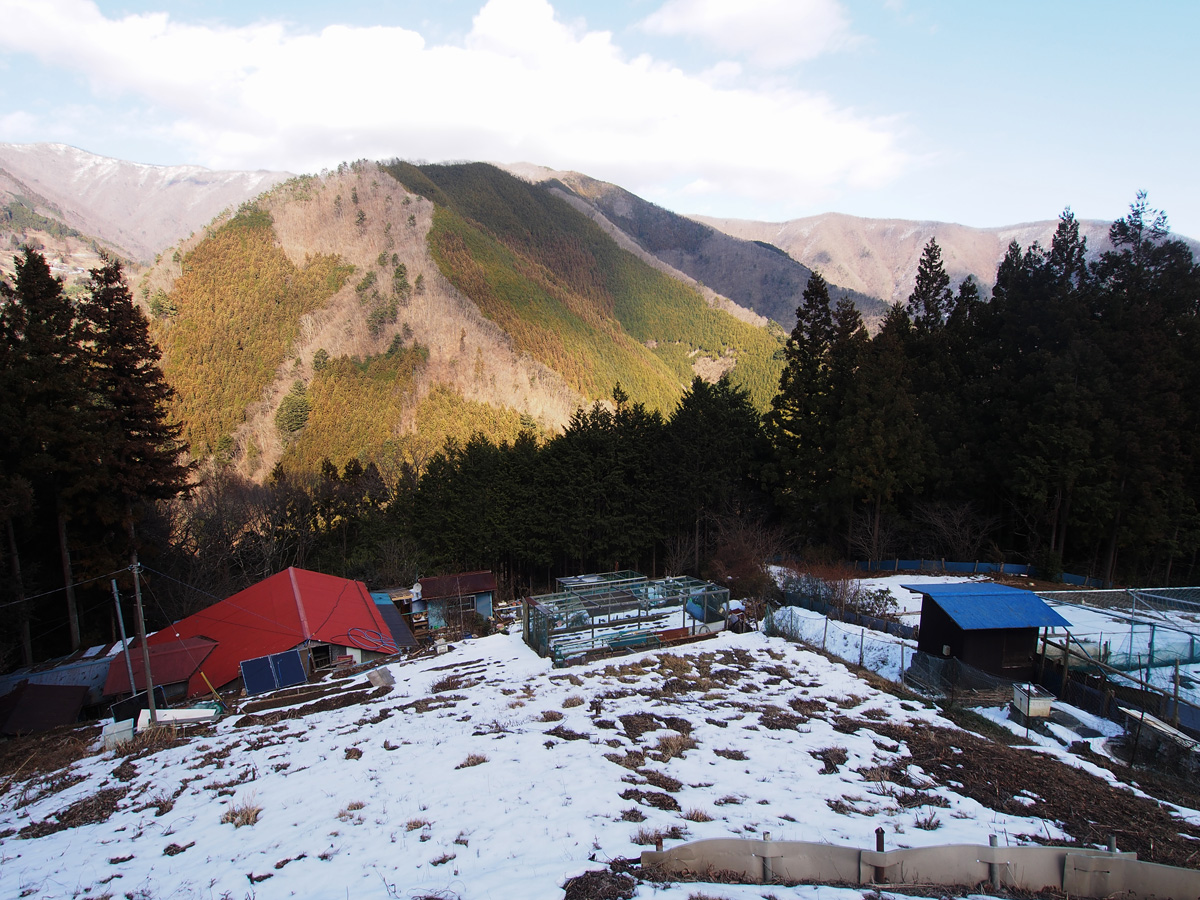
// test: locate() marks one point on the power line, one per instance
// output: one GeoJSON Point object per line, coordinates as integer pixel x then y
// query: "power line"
{"type": "Point", "coordinates": [64, 587]}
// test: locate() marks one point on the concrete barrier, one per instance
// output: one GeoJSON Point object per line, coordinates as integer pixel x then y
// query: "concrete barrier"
{"type": "Point", "coordinates": [1076, 871]}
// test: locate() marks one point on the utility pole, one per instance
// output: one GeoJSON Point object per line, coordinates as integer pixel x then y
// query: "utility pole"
{"type": "Point", "coordinates": [136, 569]}
{"type": "Point", "coordinates": [124, 639]}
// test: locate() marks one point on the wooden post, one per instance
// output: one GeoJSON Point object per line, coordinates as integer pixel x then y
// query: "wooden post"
{"type": "Point", "coordinates": [1042, 668]}
{"type": "Point", "coordinates": [1175, 709]}
{"type": "Point", "coordinates": [141, 627]}
{"type": "Point", "coordinates": [880, 871]}
{"type": "Point", "coordinates": [768, 865]}
{"type": "Point", "coordinates": [993, 868]}
{"type": "Point", "coordinates": [124, 639]}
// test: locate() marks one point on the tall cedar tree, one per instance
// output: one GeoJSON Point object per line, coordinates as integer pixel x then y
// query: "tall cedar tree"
{"type": "Point", "coordinates": [141, 451]}
{"type": "Point", "coordinates": [45, 403]}
{"type": "Point", "coordinates": [798, 422]}
{"type": "Point", "coordinates": [889, 443]}
{"type": "Point", "coordinates": [716, 446]}
{"type": "Point", "coordinates": [930, 302]}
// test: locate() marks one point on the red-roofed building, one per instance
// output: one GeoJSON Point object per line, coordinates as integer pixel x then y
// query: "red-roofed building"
{"type": "Point", "coordinates": [326, 615]}
{"type": "Point", "coordinates": [172, 664]}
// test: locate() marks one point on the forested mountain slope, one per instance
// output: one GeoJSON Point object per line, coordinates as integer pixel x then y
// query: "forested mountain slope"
{"type": "Point", "coordinates": [751, 272]}
{"type": "Point", "coordinates": [351, 315]}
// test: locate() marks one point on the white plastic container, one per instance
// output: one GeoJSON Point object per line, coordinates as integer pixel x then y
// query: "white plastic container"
{"type": "Point", "coordinates": [1032, 700]}
{"type": "Point", "coordinates": [117, 733]}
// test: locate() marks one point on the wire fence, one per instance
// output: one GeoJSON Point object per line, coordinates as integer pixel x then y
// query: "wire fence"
{"type": "Point", "coordinates": [852, 643]}
{"type": "Point", "coordinates": [894, 658]}
{"type": "Point", "coordinates": [1146, 630]}
{"type": "Point", "coordinates": [850, 615]}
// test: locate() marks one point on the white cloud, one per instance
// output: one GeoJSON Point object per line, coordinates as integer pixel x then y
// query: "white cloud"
{"type": "Point", "coordinates": [769, 33]}
{"type": "Point", "coordinates": [522, 86]}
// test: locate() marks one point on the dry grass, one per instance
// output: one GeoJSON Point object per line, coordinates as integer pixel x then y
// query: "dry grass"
{"type": "Point", "coordinates": [696, 815]}
{"type": "Point", "coordinates": [572, 701]}
{"type": "Point", "coordinates": [831, 757]}
{"type": "Point", "coordinates": [348, 814]}
{"type": "Point", "coordinates": [674, 745]}
{"type": "Point", "coordinates": [928, 821]}
{"type": "Point", "coordinates": [414, 824]}
{"type": "Point", "coordinates": [473, 759]}
{"type": "Point", "coordinates": [443, 859]}
{"type": "Point", "coordinates": [634, 759]}
{"type": "Point", "coordinates": [679, 666]}
{"type": "Point", "coordinates": [551, 715]}
{"type": "Point", "coordinates": [244, 813]}
{"type": "Point", "coordinates": [648, 837]}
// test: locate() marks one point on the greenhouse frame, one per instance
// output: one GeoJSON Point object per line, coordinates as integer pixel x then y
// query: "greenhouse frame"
{"type": "Point", "coordinates": [612, 612]}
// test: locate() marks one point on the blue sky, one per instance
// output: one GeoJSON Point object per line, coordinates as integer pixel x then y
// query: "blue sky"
{"type": "Point", "coordinates": [972, 112]}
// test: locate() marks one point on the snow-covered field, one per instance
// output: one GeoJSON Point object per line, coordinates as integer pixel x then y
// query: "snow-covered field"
{"type": "Point", "coordinates": [484, 773]}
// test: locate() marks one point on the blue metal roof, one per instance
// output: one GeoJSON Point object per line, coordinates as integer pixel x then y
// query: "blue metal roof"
{"type": "Point", "coordinates": [981, 605]}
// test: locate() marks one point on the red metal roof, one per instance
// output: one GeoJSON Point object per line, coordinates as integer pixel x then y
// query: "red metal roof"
{"type": "Point", "coordinates": [461, 585]}
{"type": "Point", "coordinates": [277, 614]}
{"type": "Point", "coordinates": [169, 663]}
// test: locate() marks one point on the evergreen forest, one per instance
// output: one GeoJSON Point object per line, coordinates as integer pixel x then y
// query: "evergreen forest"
{"type": "Point", "coordinates": [1054, 422]}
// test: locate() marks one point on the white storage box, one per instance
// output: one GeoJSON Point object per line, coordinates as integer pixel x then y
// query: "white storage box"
{"type": "Point", "coordinates": [1032, 700]}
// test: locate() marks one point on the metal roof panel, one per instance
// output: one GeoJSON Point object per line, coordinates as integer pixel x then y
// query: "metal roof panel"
{"type": "Point", "coordinates": [977, 606]}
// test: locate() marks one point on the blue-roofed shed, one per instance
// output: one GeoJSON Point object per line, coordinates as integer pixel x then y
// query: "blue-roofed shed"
{"type": "Point", "coordinates": [992, 627]}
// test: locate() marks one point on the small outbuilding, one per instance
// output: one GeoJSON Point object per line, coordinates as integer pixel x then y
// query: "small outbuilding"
{"type": "Point", "coordinates": [453, 601]}
{"type": "Point", "coordinates": [992, 627]}
{"type": "Point", "coordinates": [324, 616]}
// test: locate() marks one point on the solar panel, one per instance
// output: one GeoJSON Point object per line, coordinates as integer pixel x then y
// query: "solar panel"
{"type": "Point", "coordinates": [257, 675]}
{"type": "Point", "coordinates": [288, 668]}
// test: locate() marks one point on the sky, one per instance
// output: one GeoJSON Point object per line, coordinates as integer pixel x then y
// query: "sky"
{"type": "Point", "coordinates": [985, 114]}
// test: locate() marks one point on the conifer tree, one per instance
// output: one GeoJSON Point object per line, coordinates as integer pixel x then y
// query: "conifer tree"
{"type": "Point", "coordinates": [798, 422]}
{"type": "Point", "coordinates": [46, 402]}
{"type": "Point", "coordinates": [930, 302]}
{"type": "Point", "coordinates": [141, 450]}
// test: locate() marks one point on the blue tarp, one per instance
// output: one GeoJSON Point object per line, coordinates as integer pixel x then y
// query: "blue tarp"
{"type": "Point", "coordinates": [977, 606]}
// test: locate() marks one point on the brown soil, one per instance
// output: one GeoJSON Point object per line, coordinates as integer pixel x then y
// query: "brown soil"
{"type": "Point", "coordinates": [1086, 807]}
{"type": "Point", "coordinates": [89, 811]}
{"type": "Point", "coordinates": [23, 757]}
{"type": "Point", "coordinates": [336, 701]}
{"type": "Point", "coordinates": [601, 884]}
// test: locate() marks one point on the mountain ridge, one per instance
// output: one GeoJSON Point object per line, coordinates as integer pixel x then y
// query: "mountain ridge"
{"type": "Point", "coordinates": [880, 256]}
{"type": "Point", "coordinates": [92, 194]}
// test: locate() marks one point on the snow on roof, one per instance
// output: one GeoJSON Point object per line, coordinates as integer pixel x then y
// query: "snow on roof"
{"type": "Point", "coordinates": [983, 605]}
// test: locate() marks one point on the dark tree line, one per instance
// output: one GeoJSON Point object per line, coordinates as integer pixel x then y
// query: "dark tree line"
{"type": "Point", "coordinates": [1055, 422]}
{"type": "Point", "coordinates": [621, 487]}
{"type": "Point", "coordinates": [85, 444]}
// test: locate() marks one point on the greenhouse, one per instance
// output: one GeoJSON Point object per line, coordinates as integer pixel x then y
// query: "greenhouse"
{"type": "Point", "coordinates": [612, 612]}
